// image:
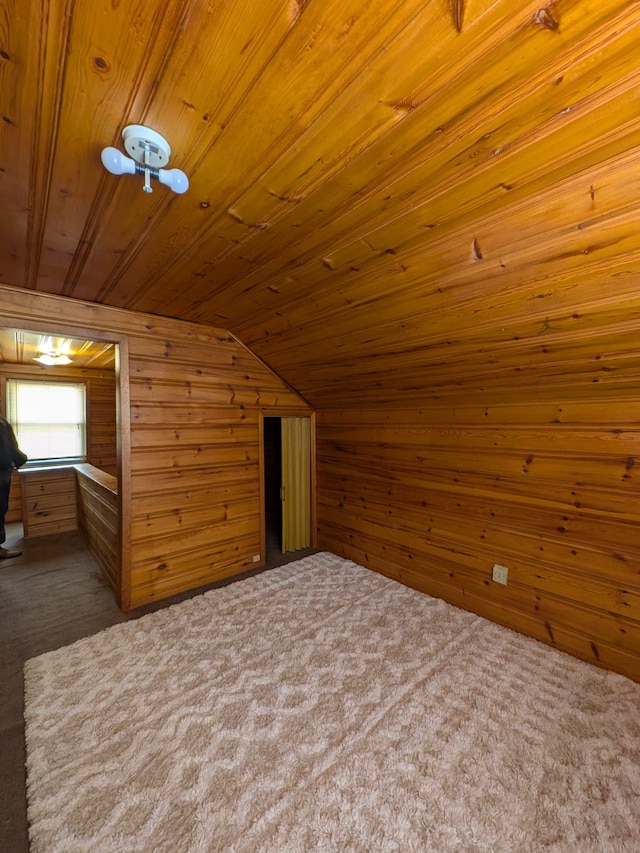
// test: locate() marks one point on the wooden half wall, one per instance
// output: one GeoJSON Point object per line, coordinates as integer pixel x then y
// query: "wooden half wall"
{"type": "Point", "coordinates": [435, 496]}
{"type": "Point", "coordinates": [189, 398]}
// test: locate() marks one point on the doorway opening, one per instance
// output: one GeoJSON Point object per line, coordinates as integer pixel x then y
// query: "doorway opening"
{"type": "Point", "coordinates": [92, 368]}
{"type": "Point", "coordinates": [272, 483]}
{"type": "Point", "coordinates": [288, 483]}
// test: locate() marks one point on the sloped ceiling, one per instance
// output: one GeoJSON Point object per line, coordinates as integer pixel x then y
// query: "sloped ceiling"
{"type": "Point", "coordinates": [390, 199]}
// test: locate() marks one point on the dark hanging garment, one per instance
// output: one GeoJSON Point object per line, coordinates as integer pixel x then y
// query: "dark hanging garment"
{"type": "Point", "coordinates": [10, 454]}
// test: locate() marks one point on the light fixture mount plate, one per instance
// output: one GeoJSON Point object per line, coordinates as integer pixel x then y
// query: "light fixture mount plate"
{"type": "Point", "coordinates": [140, 141]}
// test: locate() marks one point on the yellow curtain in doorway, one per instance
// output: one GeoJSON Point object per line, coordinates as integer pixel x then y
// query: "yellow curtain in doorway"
{"type": "Point", "coordinates": [296, 483]}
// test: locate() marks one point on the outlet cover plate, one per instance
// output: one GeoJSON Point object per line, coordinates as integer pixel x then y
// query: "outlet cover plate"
{"type": "Point", "coordinates": [500, 574]}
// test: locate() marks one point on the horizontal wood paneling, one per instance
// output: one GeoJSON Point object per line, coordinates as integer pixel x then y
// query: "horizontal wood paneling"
{"type": "Point", "coordinates": [188, 537]}
{"type": "Point", "coordinates": [102, 439]}
{"type": "Point", "coordinates": [434, 497]}
{"type": "Point", "coordinates": [189, 479]}
{"type": "Point", "coordinates": [98, 510]}
{"type": "Point", "coordinates": [49, 503]}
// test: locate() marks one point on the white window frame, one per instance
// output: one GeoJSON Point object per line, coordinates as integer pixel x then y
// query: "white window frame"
{"type": "Point", "coordinates": [25, 431]}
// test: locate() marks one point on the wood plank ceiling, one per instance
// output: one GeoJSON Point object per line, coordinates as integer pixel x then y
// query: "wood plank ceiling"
{"type": "Point", "coordinates": [390, 199]}
{"type": "Point", "coordinates": [18, 346]}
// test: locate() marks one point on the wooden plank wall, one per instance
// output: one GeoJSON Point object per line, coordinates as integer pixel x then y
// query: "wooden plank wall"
{"type": "Point", "coordinates": [189, 482]}
{"type": "Point", "coordinates": [195, 476]}
{"type": "Point", "coordinates": [102, 439]}
{"type": "Point", "coordinates": [97, 497]}
{"type": "Point", "coordinates": [49, 501]}
{"type": "Point", "coordinates": [435, 496]}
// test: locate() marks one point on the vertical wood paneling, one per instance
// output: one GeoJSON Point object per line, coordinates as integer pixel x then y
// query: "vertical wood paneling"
{"type": "Point", "coordinates": [296, 483]}
{"type": "Point", "coordinates": [435, 497]}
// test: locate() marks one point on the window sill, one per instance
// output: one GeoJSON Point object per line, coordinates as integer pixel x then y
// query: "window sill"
{"type": "Point", "coordinates": [42, 464]}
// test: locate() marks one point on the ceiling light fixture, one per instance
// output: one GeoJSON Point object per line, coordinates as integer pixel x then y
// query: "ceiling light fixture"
{"type": "Point", "coordinates": [150, 152]}
{"type": "Point", "coordinates": [52, 360]}
{"type": "Point", "coordinates": [52, 356]}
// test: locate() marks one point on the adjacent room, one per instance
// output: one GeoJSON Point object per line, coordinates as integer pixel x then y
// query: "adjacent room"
{"type": "Point", "coordinates": [331, 314]}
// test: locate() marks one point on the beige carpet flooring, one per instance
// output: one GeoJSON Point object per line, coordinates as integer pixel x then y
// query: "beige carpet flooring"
{"type": "Point", "coordinates": [53, 595]}
{"type": "Point", "coordinates": [321, 707]}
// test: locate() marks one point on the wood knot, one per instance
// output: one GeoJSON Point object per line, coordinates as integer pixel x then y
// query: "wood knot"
{"type": "Point", "coordinates": [405, 105]}
{"type": "Point", "coordinates": [546, 18]}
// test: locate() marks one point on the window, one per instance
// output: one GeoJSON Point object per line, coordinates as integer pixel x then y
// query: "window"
{"type": "Point", "coordinates": [49, 418]}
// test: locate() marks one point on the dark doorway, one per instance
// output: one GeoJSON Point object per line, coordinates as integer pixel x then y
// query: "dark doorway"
{"type": "Point", "coordinates": [272, 483]}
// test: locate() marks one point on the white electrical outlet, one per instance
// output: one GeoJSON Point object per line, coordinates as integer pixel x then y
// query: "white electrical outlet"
{"type": "Point", "coordinates": [500, 574]}
{"type": "Point", "coordinates": [256, 559]}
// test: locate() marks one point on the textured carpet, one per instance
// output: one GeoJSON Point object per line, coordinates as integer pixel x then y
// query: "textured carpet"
{"type": "Point", "coordinates": [321, 707]}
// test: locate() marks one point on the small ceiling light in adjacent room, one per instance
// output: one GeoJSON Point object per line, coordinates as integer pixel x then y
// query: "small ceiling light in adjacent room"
{"type": "Point", "coordinates": [150, 152]}
{"type": "Point", "coordinates": [52, 360]}
{"type": "Point", "coordinates": [51, 356]}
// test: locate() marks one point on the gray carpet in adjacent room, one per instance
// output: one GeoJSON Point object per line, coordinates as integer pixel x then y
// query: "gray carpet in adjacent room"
{"type": "Point", "coordinates": [322, 707]}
